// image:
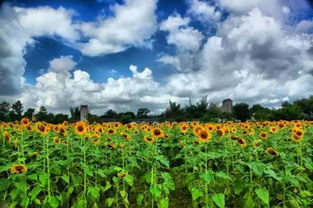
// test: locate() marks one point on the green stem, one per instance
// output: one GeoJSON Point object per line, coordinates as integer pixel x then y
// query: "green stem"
{"type": "Point", "coordinates": [85, 174]}
{"type": "Point", "coordinates": [206, 172]}
{"type": "Point", "coordinates": [48, 165]}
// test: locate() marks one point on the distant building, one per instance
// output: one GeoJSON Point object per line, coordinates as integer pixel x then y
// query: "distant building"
{"type": "Point", "coordinates": [227, 105]}
{"type": "Point", "coordinates": [83, 112]}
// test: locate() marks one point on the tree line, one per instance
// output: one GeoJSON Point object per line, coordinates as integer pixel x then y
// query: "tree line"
{"type": "Point", "coordinates": [203, 111]}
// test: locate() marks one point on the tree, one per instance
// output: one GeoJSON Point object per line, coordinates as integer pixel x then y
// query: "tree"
{"type": "Point", "coordinates": [17, 110]}
{"type": "Point", "coordinates": [198, 110]}
{"type": "Point", "coordinates": [174, 112]}
{"type": "Point", "coordinates": [306, 106]}
{"type": "Point", "coordinates": [60, 118]}
{"type": "Point", "coordinates": [110, 114]}
{"type": "Point", "coordinates": [143, 112]}
{"type": "Point", "coordinates": [290, 112]}
{"type": "Point", "coordinates": [29, 113]}
{"type": "Point", "coordinates": [75, 114]}
{"type": "Point", "coordinates": [4, 111]}
{"type": "Point", "coordinates": [260, 113]}
{"type": "Point", "coordinates": [241, 111]}
{"type": "Point", "coordinates": [214, 111]}
{"type": "Point", "coordinates": [42, 114]}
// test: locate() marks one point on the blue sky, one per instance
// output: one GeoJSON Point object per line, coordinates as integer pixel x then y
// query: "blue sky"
{"type": "Point", "coordinates": [145, 53]}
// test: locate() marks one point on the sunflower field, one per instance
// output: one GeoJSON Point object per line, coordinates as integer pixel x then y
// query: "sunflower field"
{"type": "Point", "coordinates": [179, 165]}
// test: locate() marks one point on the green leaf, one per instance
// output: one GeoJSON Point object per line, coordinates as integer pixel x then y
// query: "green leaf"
{"type": "Point", "coordinates": [5, 183]}
{"type": "Point", "coordinates": [82, 203]}
{"type": "Point", "coordinates": [43, 178]}
{"type": "Point", "coordinates": [34, 193]}
{"type": "Point", "coordinates": [219, 200]}
{"type": "Point", "coordinates": [156, 191]}
{"type": "Point", "coordinates": [107, 186]}
{"type": "Point", "coordinates": [223, 176]}
{"type": "Point", "coordinates": [139, 199]}
{"type": "Point", "coordinates": [32, 177]}
{"type": "Point", "coordinates": [308, 164]}
{"type": "Point", "coordinates": [263, 195]}
{"type": "Point", "coordinates": [53, 201]}
{"type": "Point", "coordinates": [163, 160]}
{"type": "Point", "coordinates": [272, 174]}
{"type": "Point", "coordinates": [77, 180]}
{"type": "Point", "coordinates": [123, 194]}
{"type": "Point", "coordinates": [207, 177]}
{"type": "Point", "coordinates": [196, 193]}
{"type": "Point", "coordinates": [257, 167]}
{"type": "Point", "coordinates": [109, 202]}
{"type": "Point", "coordinates": [94, 192]}
{"type": "Point", "coordinates": [66, 178]}
{"type": "Point", "coordinates": [163, 203]}
{"type": "Point", "coordinates": [129, 180]}
{"type": "Point", "coordinates": [248, 201]}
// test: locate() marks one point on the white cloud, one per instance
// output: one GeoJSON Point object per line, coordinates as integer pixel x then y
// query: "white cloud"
{"type": "Point", "coordinates": [18, 27]}
{"type": "Point", "coordinates": [62, 64]}
{"type": "Point", "coordinates": [273, 8]}
{"type": "Point", "coordinates": [132, 25]}
{"type": "Point", "coordinates": [204, 12]}
{"type": "Point", "coordinates": [186, 40]}
{"type": "Point", "coordinates": [305, 26]}
{"type": "Point", "coordinates": [45, 20]}
{"type": "Point", "coordinates": [57, 91]}
{"type": "Point", "coordinates": [252, 58]}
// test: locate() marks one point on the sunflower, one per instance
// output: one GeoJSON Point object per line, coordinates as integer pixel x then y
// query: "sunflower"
{"type": "Point", "coordinates": [148, 140]}
{"type": "Point", "coordinates": [122, 174]}
{"type": "Point", "coordinates": [80, 128]}
{"type": "Point", "coordinates": [196, 129]}
{"type": "Point", "coordinates": [41, 128]}
{"type": "Point", "coordinates": [96, 141]}
{"type": "Point", "coordinates": [29, 127]}
{"type": "Point", "coordinates": [99, 129]}
{"type": "Point", "coordinates": [297, 134]}
{"type": "Point", "coordinates": [129, 125]}
{"type": "Point", "coordinates": [220, 132]}
{"type": "Point", "coordinates": [111, 131]}
{"type": "Point", "coordinates": [210, 127]}
{"type": "Point", "coordinates": [242, 142]}
{"type": "Point", "coordinates": [56, 140]}
{"type": "Point", "coordinates": [204, 136]}
{"type": "Point", "coordinates": [62, 130]}
{"type": "Point", "coordinates": [157, 132]}
{"type": "Point", "coordinates": [263, 135]}
{"type": "Point", "coordinates": [6, 135]}
{"type": "Point", "coordinates": [273, 129]}
{"type": "Point", "coordinates": [181, 143]}
{"type": "Point", "coordinates": [233, 130]}
{"type": "Point", "coordinates": [25, 121]}
{"type": "Point", "coordinates": [18, 168]}
{"type": "Point", "coordinates": [184, 128]}
{"type": "Point", "coordinates": [272, 151]}
{"type": "Point", "coordinates": [126, 136]}
{"type": "Point", "coordinates": [256, 143]}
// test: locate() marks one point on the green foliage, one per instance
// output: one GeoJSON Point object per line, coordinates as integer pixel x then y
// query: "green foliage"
{"type": "Point", "coordinates": [241, 111]}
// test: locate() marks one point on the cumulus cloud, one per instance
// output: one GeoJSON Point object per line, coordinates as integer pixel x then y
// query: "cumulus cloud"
{"type": "Point", "coordinates": [57, 90]}
{"type": "Point", "coordinates": [186, 39]}
{"type": "Point", "coordinates": [18, 27]}
{"type": "Point", "coordinates": [62, 64]}
{"type": "Point", "coordinates": [132, 25]}
{"type": "Point", "coordinates": [203, 11]}
{"type": "Point", "coordinates": [252, 58]}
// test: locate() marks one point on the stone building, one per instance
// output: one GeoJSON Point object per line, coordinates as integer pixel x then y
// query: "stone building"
{"type": "Point", "coordinates": [83, 112]}
{"type": "Point", "coordinates": [227, 105]}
